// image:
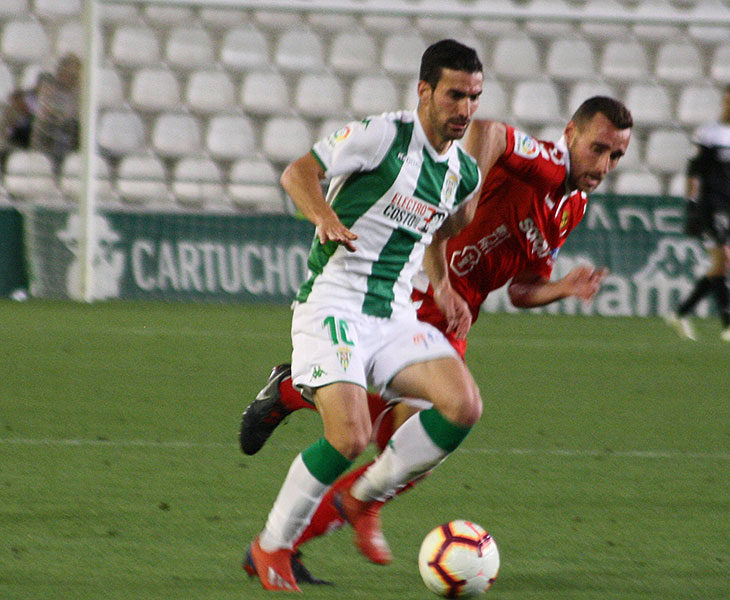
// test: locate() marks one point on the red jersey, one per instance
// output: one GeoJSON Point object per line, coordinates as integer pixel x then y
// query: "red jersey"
{"type": "Point", "coordinates": [523, 217]}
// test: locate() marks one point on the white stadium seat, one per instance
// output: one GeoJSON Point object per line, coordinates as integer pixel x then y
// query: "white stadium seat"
{"type": "Point", "coordinates": [230, 137]}
{"type": "Point", "coordinates": [649, 103]}
{"type": "Point", "coordinates": [329, 23]}
{"type": "Point", "coordinates": [13, 8]}
{"type": "Point", "coordinates": [285, 138]}
{"type": "Point", "coordinates": [493, 101]}
{"type": "Point", "coordinates": [111, 91]}
{"type": "Point", "coordinates": [167, 16]}
{"type": "Point", "coordinates": [698, 104]}
{"type": "Point", "coordinates": [155, 89]}
{"type": "Point", "coordinates": [175, 135]}
{"type": "Point", "coordinates": [720, 64]}
{"type": "Point", "coordinates": [679, 61]}
{"type": "Point", "coordinates": [244, 48]}
{"type": "Point", "coordinates": [641, 183]}
{"type": "Point", "coordinates": [120, 132]}
{"type": "Point", "coordinates": [373, 94]}
{"type": "Point", "coordinates": [72, 178]}
{"type": "Point", "coordinates": [29, 175]}
{"type": "Point", "coordinates": [330, 126]}
{"type": "Point", "coordinates": [516, 57]}
{"type": "Point", "coordinates": [58, 9]}
{"type": "Point", "coordinates": [580, 91]}
{"type": "Point", "coordinates": [678, 185]}
{"type": "Point", "coordinates": [352, 52]}
{"type": "Point", "coordinates": [254, 185]}
{"type": "Point", "coordinates": [632, 160]}
{"type": "Point", "coordinates": [265, 93]}
{"type": "Point", "coordinates": [210, 91]}
{"type": "Point", "coordinates": [118, 14]}
{"type": "Point", "coordinates": [197, 182]}
{"type": "Point", "coordinates": [401, 51]}
{"type": "Point", "coordinates": [624, 60]}
{"type": "Point", "coordinates": [134, 46]}
{"type": "Point", "coordinates": [24, 41]}
{"type": "Point", "coordinates": [7, 81]}
{"type": "Point", "coordinates": [299, 50]}
{"type": "Point", "coordinates": [667, 150]}
{"type": "Point", "coordinates": [570, 58]}
{"type": "Point", "coordinates": [189, 48]}
{"type": "Point", "coordinates": [319, 95]}
{"type": "Point", "coordinates": [141, 178]}
{"type": "Point", "coordinates": [600, 30]}
{"type": "Point", "coordinates": [536, 102]}
{"type": "Point", "coordinates": [71, 39]}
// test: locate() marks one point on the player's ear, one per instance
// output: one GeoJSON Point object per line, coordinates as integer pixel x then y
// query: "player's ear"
{"type": "Point", "coordinates": [424, 90]}
{"type": "Point", "coordinates": [570, 131]}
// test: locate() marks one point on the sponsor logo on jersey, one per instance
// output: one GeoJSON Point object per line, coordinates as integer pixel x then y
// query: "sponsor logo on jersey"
{"type": "Point", "coordinates": [468, 257]}
{"type": "Point", "coordinates": [413, 213]}
{"type": "Point", "coordinates": [534, 237]}
{"type": "Point", "coordinates": [526, 146]}
{"type": "Point", "coordinates": [340, 135]}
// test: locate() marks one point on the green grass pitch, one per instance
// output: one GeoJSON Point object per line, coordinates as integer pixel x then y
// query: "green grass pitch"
{"type": "Point", "coordinates": [601, 464]}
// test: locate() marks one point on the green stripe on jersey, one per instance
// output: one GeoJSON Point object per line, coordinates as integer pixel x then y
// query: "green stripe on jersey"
{"type": "Point", "coordinates": [393, 257]}
{"type": "Point", "coordinates": [431, 179]}
{"type": "Point", "coordinates": [356, 196]}
{"type": "Point", "coordinates": [469, 176]}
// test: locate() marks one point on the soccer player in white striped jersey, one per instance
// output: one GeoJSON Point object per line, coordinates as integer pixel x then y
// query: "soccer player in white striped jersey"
{"type": "Point", "coordinates": [400, 186]}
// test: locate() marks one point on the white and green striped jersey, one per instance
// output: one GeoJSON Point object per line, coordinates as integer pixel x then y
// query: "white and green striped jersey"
{"type": "Point", "coordinates": [391, 188]}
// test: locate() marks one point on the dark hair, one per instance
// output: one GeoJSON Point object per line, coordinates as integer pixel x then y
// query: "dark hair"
{"type": "Point", "coordinates": [448, 54]}
{"type": "Point", "coordinates": [612, 109]}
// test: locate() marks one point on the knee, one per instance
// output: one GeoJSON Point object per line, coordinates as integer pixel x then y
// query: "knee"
{"type": "Point", "coordinates": [464, 410]}
{"type": "Point", "coordinates": [351, 443]}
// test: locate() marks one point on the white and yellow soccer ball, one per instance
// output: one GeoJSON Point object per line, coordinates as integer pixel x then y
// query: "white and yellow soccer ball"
{"type": "Point", "coordinates": [458, 559]}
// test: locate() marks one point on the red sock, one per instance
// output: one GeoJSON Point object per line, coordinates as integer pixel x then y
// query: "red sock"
{"type": "Point", "coordinates": [291, 397]}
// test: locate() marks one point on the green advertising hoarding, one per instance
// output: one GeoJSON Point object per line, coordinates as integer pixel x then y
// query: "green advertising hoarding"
{"type": "Point", "coordinates": [237, 258]}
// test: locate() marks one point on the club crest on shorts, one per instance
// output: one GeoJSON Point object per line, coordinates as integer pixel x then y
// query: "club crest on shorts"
{"type": "Point", "coordinates": [344, 355]}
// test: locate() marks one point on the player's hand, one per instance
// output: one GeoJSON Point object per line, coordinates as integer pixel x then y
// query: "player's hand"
{"type": "Point", "coordinates": [332, 230]}
{"type": "Point", "coordinates": [455, 309]}
{"type": "Point", "coordinates": [584, 281]}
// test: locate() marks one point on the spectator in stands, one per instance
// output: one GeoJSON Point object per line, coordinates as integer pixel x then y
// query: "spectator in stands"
{"type": "Point", "coordinates": [708, 218]}
{"type": "Point", "coordinates": [16, 122]}
{"type": "Point", "coordinates": [55, 128]}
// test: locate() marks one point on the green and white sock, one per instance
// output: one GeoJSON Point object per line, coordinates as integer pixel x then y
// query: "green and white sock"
{"type": "Point", "coordinates": [311, 474]}
{"type": "Point", "coordinates": [419, 445]}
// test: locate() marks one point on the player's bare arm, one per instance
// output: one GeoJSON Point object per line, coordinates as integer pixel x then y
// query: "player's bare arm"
{"type": "Point", "coordinates": [529, 290]}
{"type": "Point", "coordinates": [486, 141]}
{"type": "Point", "coordinates": [301, 180]}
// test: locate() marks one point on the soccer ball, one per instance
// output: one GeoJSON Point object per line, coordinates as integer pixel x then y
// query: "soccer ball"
{"type": "Point", "coordinates": [458, 559]}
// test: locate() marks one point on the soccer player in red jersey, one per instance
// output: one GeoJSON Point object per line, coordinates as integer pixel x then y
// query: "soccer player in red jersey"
{"type": "Point", "coordinates": [534, 194]}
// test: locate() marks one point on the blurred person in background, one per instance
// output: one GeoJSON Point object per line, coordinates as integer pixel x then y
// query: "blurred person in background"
{"type": "Point", "coordinates": [708, 218]}
{"type": "Point", "coordinates": [55, 129]}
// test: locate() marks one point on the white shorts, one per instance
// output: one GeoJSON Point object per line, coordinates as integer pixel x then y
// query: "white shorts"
{"type": "Point", "coordinates": [338, 345]}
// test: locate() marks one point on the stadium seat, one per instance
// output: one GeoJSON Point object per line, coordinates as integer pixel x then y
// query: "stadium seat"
{"type": "Point", "coordinates": [58, 9]}
{"type": "Point", "coordinates": [72, 175]}
{"type": "Point", "coordinates": [667, 150]}
{"type": "Point", "coordinates": [210, 91]}
{"type": "Point", "coordinates": [596, 29]}
{"type": "Point", "coordinates": [277, 20]}
{"type": "Point", "coordinates": [720, 64]}
{"type": "Point", "coordinates": [71, 39]}
{"type": "Point", "coordinates": [175, 135]}
{"type": "Point", "coordinates": [299, 50]}
{"type": "Point", "coordinates": [285, 138]}
{"type": "Point", "coordinates": [24, 41]}
{"type": "Point", "coordinates": [401, 51]}
{"type": "Point", "coordinates": [536, 102]}
{"type": "Point", "coordinates": [698, 104]}
{"type": "Point", "coordinates": [329, 23]}
{"type": "Point", "coordinates": [570, 58]}
{"type": "Point", "coordinates": [551, 133]}
{"type": "Point", "coordinates": [319, 95]}
{"type": "Point", "coordinates": [373, 94]}
{"type": "Point", "coordinates": [254, 185]}
{"type": "Point", "coordinates": [580, 91]}
{"type": "Point", "coordinates": [197, 183]}
{"type": "Point", "coordinates": [632, 160]}
{"type": "Point", "coordinates": [649, 103]}
{"type": "Point", "coordinates": [678, 185]}
{"type": "Point", "coordinates": [516, 57]}
{"type": "Point", "coordinates": [352, 52]}
{"type": "Point", "coordinates": [440, 27]}
{"type": "Point", "coordinates": [135, 46]}
{"type": "Point", "coordinates": [118, 14]}
{"type": "Point", "coordinates": [244, 48]}
{"type": "Point", "coordinates": [679, 62]}
{"type": "Point", "coordinates": [624, 60]}
{"type": "Point", "coordinates": [29, 76]}
{"type": "Point", "coordinates": [167, 15]}
{"type": "Point", "coordinates": [650, 31]}
{"type": "Point", "coordinates": [29, 176]}
{"type": "Point", "coordinates": [189, 48]}
{"type": "Point", "coordinates": [111, 92]}
{"type": "Point", "coordinates": [641, 183]}
{"type": "Point", "coordinates": [7, 82]}
{"type": "Point", "coordinates": [230, 137]}
{"type": "Point", "coordinates": [120, 132]}
{"type": "Point", "coordinates": [330, 126]}
{"type": "Point", "coordinates": [221, 18]}
{"type": "Point", "coordinates": [493, 28]}
{"type": "Point", "coordinates": [265, 93]}
{"type": "Point", "coordinates": [493, 101]}
{"type": "Point", "coordinates": [155, 89]}
{"type": "Point", "coordinates": [13, 8]}
{"type": "Point", "coordinates": [547, 27]}
{"type": "Point", "coordinates": [141, 178]}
